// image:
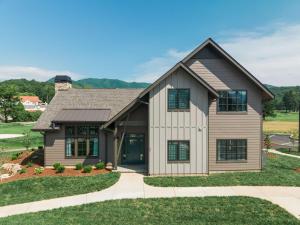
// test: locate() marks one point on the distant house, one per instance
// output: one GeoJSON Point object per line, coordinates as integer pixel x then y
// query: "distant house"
{"type": "Point", "coordinates": [33, 103]}
{"type": "Point", "coordinates": [204, 115]}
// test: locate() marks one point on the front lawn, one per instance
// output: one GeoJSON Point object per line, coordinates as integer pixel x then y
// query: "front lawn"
{"type": "Point", "coordinates": [280, 171]}
{"type": "Point", "coordinates": [34, 189]}
{"type": "Point", "coordinates": [207, 210]}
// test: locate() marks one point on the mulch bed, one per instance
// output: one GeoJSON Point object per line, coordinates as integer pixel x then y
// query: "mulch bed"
{"type": "Point", "coordinates": [35, 157]}
{"type": "Point", "coordinates": [297, 170]}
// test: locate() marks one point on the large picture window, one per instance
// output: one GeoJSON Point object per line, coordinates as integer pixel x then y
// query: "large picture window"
{"type": "Point", "coordinates": [178, 99]}
{"type": "Point", "coordinates": [82, 141]}
{"type": "Point", "coordinates": [231, 149]}
{"type": "Point", "coordinates": [178, 150]}
{"type": "Point", "coordinates": [232, 101]}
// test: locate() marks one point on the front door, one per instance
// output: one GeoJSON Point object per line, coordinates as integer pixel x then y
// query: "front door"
{"type": "Point", "coordinates": [133, 149]}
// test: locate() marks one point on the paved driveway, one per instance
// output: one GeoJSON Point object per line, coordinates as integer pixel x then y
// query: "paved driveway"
{"type": "Point", "coordinates": [132, 186]}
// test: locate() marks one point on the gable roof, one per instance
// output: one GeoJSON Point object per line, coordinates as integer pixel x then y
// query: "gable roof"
{"type": "Point", "coordinates": [211, 90]}
{"type": "Point", "coordinates": [220, 50]}
{"type": "Point", "coordinates": [113, 99]}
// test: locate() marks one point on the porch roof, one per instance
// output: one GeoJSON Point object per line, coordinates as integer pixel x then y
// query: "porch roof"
{"type": "Point", "coordinates": [82, 115]}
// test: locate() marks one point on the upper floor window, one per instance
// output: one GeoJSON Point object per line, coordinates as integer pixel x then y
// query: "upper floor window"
{"type": "Point", "coordinates": [232, 101]}
{"type": "Point", "coordinates": [178, 99]}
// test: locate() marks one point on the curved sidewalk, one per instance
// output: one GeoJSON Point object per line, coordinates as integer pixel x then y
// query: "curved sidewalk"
{"type": "Point", "coordinates": [131, 186]}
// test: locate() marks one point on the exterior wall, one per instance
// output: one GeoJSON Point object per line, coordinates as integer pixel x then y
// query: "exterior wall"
{"type": "Point", "coordinates": [223, 76]}
{"type": "Point", "coordinates": [191, 125]}
{"type": "Point", "coordinates": [55, 149]}
{"type": "Point", "coordinates": [140, 115]}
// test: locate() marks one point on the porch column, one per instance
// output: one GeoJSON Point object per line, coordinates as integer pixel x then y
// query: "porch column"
{"type": "Point", "coordinates": [115, 146]}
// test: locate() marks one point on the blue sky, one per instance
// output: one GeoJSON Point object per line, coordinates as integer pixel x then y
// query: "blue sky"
{"type": "Point", "coordinates": [138, 40]}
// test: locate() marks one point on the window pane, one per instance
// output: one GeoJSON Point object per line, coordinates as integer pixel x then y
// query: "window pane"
{"type": "Point", "coordinates": [93, 130]}
{"type": "Point", "coordinates": [172, 99]}
{"type": "Point", "coordinates": [232, 149]}
{"type": "Point", "coordinates": [82, 147]}
{"type": "Point", "coordinates": [94, 147]}
{"type": "Point", "coordinates": [232, 101]}
{"type": "Point", "coordinates": [172, 150]}
{"type": "Point", "coordinates": [82, 130]}
{"type": "Point", "coordinates": [70, 131]}
{"type": "Point", "coordinates": [183, 98]}
{"type": "Point", "coordinates": [70, 147]}
{"type": "Point", "coordinates": [184, 152]}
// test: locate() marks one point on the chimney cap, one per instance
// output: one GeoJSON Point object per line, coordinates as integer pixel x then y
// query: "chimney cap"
{"type": "Point", "coordinates": [62, 78]}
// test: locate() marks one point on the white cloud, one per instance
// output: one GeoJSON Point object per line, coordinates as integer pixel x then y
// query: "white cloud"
{"type": "Point", "coordinates": [272, 54]}
{"type": "Point", "coordinates": [29, 72]}
{"type": "Point", "coordinates": [157, 66]}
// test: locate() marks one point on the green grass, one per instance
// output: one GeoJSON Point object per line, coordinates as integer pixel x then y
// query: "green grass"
{"type": "Point", "coordinates": [292, 152]}
{"type": "Point", "coordinates": [207, 210]}
{"type": "Point", "coordinates": [282, 116]}
{"type": "Point", "coordinates": [18, 128]}
{"type": "Point", "coordinates": [34, 189]}
{"type": "Point", "coordinates": [280, 171]}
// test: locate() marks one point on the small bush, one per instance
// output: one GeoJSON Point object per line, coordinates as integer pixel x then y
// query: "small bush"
{"type": "Point", "coordinates": [56, 165]}
{"type": "Point", "coordinates": [29, 164]}
{"type": "Point", "coordinates": [21, 171]}
{"type": "Point", "coordinates": [100, 165]}
{"type": "Point", "coordinates": [38, 170]}
{"type": "Point", "coordinates": [78, 166]}
{"type": "Point", "coordinates": [87, 169]}
{"type": "Point", "coordinates": [60, 169]}
{"type": "Point", "coordinates": [15, 156]}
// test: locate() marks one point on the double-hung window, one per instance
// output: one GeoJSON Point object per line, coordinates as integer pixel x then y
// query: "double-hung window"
{"type": "Point", "coordinates": [178, 99]}
{"type": "Point", "coordinates": [232, 101]}
{"type": "Point", "coordinates": [231, 149]}
{"type": "Point", "coordinates": [178, 151]}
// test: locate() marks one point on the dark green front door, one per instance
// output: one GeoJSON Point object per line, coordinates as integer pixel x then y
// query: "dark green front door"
{"type": "Point", "coordinates": [133, 149]}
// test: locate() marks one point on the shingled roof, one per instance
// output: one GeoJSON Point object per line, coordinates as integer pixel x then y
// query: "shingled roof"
{"type": "Point", "coordinates": [113, 99]}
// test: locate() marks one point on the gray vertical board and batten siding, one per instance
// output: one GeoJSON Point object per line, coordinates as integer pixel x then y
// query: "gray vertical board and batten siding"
{"type": "Point", "coordinates": [221, 75]}
{"type": "Point", "coordinates": [190, 125]}
{"type": "Point", "coordinates": [55, 149]}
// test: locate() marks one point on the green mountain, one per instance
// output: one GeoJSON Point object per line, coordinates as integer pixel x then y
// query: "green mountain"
{"type": "Point", "coordinates": [105, 83]}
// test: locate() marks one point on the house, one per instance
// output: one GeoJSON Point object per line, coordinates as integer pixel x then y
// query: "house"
{"type": "Point", "coordinates": [32, 103]}
{"type": "Point", "coordinates": [204, 115]}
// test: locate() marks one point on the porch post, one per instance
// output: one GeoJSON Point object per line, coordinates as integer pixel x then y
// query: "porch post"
{"type": "Point", "coordinates": [115, 146]}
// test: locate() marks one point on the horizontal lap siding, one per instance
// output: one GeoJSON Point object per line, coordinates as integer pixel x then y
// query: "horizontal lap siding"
{"type": "Point", "coordinates": [55, 149]}
{"type": "Point", "coordinates": [164, 126]}
{"type": "Point", "coordinates": [223, 76]}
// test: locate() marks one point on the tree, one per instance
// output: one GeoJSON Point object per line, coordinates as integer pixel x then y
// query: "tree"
{"type": "Point", "coordinates": [268, 109]}
{"type": "Point", "coordinates": [267, 142]}
{"type": "Point", "coordinates": [8, 101]}
{"type": "Point", "coordinates": [289, 100]}
{"type": "Point", "coordinates": [27, 139]}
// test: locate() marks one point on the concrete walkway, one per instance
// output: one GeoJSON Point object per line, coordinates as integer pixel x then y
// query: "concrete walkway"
{"type": "Point", "coordinates": [131, 186]}
{"type": "Point", "coordinates": [6, 136]}
{"type": "Point", "coordinates": [285, 154]}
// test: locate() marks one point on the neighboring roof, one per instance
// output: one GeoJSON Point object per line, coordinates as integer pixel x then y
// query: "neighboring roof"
{"type": "Point", "coordinates": [34, 99]}
{"type": "Point", "coordinates": [82, 115]}
{"type": "Point", "coordinates": [211, 42]}
{"type": "Point", "coordinates": [153, 85]}
{"type": "Point", "coordinates": [113, 99]}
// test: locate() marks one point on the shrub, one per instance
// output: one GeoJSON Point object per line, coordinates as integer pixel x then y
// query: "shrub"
{"type": "Point", "coordinates": [38, 170]}
{"type": "Point", "coordinates": [100, 165]}
{"type": "Point", "coordinates": [15, 156]}
{"type": "Point", "coordinates": [21, 171]}
{"type": "Point", "coordinates": [56, 165]}
{"type": "Point", "coordinates": [87, 169]}
{"type": "Point", "coordinates": [78, 166]}
{"type": "Point", "coordinates": [60, 169]}
{"type": "Point", "coordinates": [29, 164]}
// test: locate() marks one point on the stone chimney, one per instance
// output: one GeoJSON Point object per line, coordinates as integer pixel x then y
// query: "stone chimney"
{"type": "Point", "coordinates": [62, 83]}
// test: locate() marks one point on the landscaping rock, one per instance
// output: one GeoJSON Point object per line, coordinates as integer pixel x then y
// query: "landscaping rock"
{"type": "Point", "coordinates": [12, 168]}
